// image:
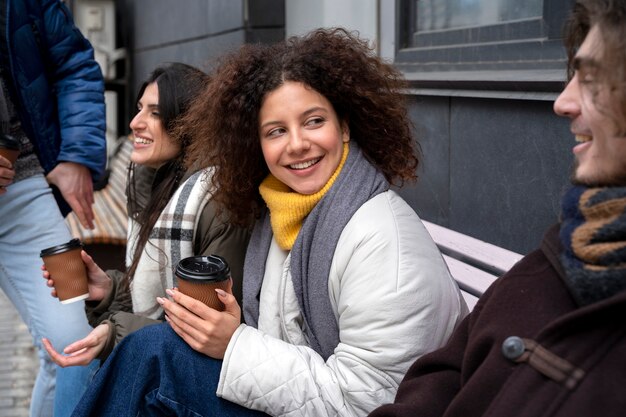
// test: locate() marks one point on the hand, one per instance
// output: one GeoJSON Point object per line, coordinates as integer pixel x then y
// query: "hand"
{"type": "Point", "coordinates": [81, 352]}
{"type": "Point", "coordinates": [6, 174]}
{"type": "Point", "coordinates": [98, 281]}
{"type": "Point", "coordinates": [205, 329]}
{"type": "Point", "coordinates": [74, 182]}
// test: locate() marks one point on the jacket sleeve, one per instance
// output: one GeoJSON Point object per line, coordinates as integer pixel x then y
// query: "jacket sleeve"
{"type": "Point", "coordinates": [395, 301]}
{"type": "Point", "coordinates": [79, 88]}
{"type": "Point", "coordinates": [121, 324]}
{"type": "Point", "coordinates": [216, 236]}
{"type": "Point", "coordinates": [116, 311]}
{"type": "Point", "coordinates": [116, 300]}
{"type": "Point", "coordinates": [432, 382]}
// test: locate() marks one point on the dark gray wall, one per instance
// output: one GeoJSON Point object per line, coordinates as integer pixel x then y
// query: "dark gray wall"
{"type": "Point", "coordinates": [195, 32]}
{"type": "Point", "coordinates": [492, 168]}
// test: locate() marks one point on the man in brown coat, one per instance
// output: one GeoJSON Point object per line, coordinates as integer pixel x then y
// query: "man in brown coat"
{"type": "Point", "coordinates": [549, 337]}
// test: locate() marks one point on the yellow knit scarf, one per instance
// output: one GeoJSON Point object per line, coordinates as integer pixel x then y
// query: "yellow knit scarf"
{"type": "Point", "coordinates": [288, 208]}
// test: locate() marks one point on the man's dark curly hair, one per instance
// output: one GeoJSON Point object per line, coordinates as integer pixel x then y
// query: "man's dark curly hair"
{"type": "Point", "coordinates": [363, 90]}
{"type": "Point", "coordinates": [610, 17]}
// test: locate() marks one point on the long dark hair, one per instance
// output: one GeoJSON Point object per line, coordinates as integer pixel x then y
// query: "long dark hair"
{"type": "Point", "coordinates": [178, 84]}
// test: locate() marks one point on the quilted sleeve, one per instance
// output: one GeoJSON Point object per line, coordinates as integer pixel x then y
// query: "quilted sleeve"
{"type": "Point", "coordinates": [79, 88]}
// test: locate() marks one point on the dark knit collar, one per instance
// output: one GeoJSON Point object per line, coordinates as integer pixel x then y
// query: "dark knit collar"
{"type": "Point", "coordinates": [593, 235]}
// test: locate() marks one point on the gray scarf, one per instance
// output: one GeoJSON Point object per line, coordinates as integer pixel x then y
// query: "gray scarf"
{"type": "Point", "coordinates": [312, 253]}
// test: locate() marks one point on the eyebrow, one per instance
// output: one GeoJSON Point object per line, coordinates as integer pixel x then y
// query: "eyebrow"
{"type": "Point", "coordinates": [150, 106]}
{"type": "Point", "coordinates": [582, 61]}
{"type": "Point", "coordinates": [305, 113]}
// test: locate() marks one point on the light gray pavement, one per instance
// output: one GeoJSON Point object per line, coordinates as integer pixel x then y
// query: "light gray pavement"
{"type": "Point", "coordinates": [18, 362]}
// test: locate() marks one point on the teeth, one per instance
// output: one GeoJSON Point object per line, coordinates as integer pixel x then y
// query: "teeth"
{"type": "Point", "coordinates": [583, 138]}
{"type": "Point", "coordinates": [143, 141]}
{"type": "Point", "coordinates": [303, 165]}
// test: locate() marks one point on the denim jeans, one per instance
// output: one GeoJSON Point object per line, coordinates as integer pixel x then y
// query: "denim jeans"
{"type": "Point", "coordinates": [30, 221]}
{"type": "Point", "coordinates": [153, 372]}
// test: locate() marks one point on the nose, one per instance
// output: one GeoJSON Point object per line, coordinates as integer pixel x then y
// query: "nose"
{"type": "Point", "coordinates": [298, 142]}
{"type": "Point", "coordinates": [137, 122]}
{"type": "Point", "coordinates": [567, 103]}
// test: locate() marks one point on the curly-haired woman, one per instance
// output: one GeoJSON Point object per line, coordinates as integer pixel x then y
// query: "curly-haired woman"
{"type": "Point", "coordinates": [343, 287]}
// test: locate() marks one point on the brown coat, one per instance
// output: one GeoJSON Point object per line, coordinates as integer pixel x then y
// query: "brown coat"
{"type": "Point", "coordinates": [471, 376]}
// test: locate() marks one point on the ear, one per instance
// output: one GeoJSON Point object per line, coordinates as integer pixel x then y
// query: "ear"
{"type": "Point", "coordinates": [345, 132]}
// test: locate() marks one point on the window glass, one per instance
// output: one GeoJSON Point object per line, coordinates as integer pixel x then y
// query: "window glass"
{"type": "Point", "coordinates": [448, 14]}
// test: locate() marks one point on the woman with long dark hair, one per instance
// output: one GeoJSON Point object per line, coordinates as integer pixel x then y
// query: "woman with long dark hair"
{"type": "Point", "coordinates": [171, 217]}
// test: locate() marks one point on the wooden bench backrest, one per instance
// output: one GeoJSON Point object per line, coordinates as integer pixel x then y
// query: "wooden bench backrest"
{"type": "Point", "coordinates": [109, 208]}
{"type": "Point", "coordinates": [473, 263]}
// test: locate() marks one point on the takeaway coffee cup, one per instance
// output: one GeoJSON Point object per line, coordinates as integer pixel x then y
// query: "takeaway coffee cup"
{"type": "Point", "coordinates": [9, 148]}
{"type": "Point", "coordinates": [199, 276]}
{"type": "Point", "coordinates": [68, 271]}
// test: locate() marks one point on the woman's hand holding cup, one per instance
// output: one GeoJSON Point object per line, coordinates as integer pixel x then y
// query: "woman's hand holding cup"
{"type": "Point", "coordinates": [205, 329]}
{"type": "Point", "coordinates": [98, 281]}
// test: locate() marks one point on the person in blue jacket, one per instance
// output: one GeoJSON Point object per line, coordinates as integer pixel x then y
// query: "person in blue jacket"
{"type": "Point", "coordinates": [52, 103]}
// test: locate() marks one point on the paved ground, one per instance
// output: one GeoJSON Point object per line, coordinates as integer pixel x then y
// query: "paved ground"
{"type": "Point", "coordinates": [18, 362]}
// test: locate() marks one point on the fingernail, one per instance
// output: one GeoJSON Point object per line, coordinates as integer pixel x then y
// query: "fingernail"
{"type": "Point", "coordinates": [169, 292]}
{"type": "Point", "coordinates": [221, 293]}
{"type": "Point", "coordinates": [160, 300]}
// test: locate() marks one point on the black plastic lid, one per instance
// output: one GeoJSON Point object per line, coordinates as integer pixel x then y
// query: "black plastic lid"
{"type": "Point", "coordinates": [9, 142]}
{"type": "Point", "coordinates": [72, 244]}
{"type": "Point", "coordinates": [203, 268]}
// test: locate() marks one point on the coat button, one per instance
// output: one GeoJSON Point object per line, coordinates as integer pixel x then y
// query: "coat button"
{"type": "Point", "coordinates": [513, 347]}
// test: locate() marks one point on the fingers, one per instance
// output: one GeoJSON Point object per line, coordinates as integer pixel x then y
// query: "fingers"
{"type": "Point", "coordinates": [89, 262]}
{"type": "Point", "coordinates": [230, 303]}
{"type": "Point", "coordinates": [5, 163]}
{"type": "Point", "coordinates": [81, 352]}
{"type": "Point", "coordinates": [49, 281]}
{"type": "Point", "coordinates": [80, 359]}
{"type": "Point", "coordinates": [191, 317]}
{"type": "Point", "coordinates": [205, 329]}
{"type": "Point", "coordinates": [78, 346]}
{"type": "Point", "coordinates": [83, 211]}
{"type": "Point", "coordinates": [74, 182]}
{"type": "Point", "coordinates": [6, 176]}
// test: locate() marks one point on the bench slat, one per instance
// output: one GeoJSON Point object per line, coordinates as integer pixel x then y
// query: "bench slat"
{"type": "Point", "coordinates": [470, 279]}
{"type": "Point", "coordinates": [474, 251]}
{"type": "Point", "coordinates": [110, 217]}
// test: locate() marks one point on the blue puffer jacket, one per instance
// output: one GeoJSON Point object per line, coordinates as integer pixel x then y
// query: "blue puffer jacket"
{"type": "Point", "coordinates": [55, 81]}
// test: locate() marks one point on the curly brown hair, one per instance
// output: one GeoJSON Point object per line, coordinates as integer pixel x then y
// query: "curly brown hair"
{"type": "Point", "coordinates": [363, 90]}
{"type": "Point", "coordinates": [610, 69]}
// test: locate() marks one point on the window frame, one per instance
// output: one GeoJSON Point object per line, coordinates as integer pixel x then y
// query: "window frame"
{"type": "Point", "coordinates": [525, 55]}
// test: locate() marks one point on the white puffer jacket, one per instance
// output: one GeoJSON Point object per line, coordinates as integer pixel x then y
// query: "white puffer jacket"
{"type": "Point", "coordinates": [394, 301]}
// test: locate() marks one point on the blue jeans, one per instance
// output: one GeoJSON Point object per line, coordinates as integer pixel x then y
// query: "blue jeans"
{"type": "Point", "coordinates": [153, 372]}
{"type": "Point", "coordinates": [30, 221]}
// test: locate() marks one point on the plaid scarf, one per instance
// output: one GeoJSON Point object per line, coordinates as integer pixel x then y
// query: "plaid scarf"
{"type": "Point", "coordinates": [170, 241]}
{"type": "Point", "coordinates": [593, 232]}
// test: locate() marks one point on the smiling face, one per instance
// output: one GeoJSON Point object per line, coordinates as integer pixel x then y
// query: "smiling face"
{"type": "Point", "coordinates": [587, 101]}
{"type": "Point", "coordinates": [152, 145]}
{"type": "Point", "coordinates": [301, 137]}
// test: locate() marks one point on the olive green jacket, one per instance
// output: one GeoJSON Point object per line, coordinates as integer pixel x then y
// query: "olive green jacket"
{"type": "Point", "coordinates": [213, 236]}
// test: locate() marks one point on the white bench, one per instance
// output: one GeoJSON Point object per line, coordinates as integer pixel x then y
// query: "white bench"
{"type": "Point", "coordinates": [473, 263]}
